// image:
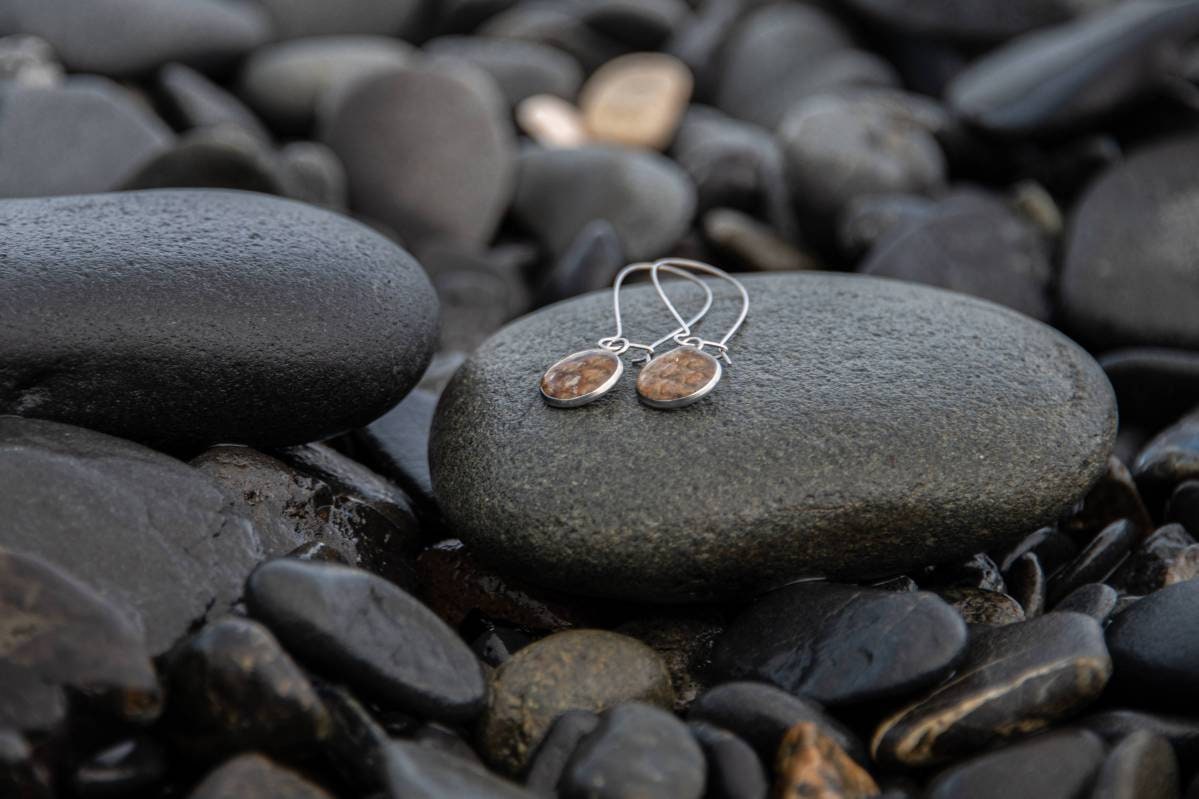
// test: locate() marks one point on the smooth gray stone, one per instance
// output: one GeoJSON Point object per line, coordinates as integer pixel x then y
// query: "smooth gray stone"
{"type": "Point", "coordinates": [1069, 75]}
{"type": "Point", "coordinates": [1142, 766]}
{"type": "Point", "coordinates": [521, 68]}
{"type": "Point", "coordinates": [734, 770]}
{"type": "Point", "coordinates": [1128, 277]}
{"type": "Point", "coordinates": [87, 135]}
{"type": "Point", "coordinates": [194, 101]}
{"type": "Point", "coordinates": [1060, 764]}
{"type": "Point", "coordinates": [647, 197]}
{"type": "Point", "coordinates": [225, 157]}
{"type": "Point", "coordinates": [417, 771]}
{"type": "Point", "coordinates": [289, 82]}
{"type": "Point", "coordinates": [638, 24]}
{"type": "Point", "coordinates": [428, 151]}
{"type": "Point", "coordinates": [1096, 600]}
{"type": "Point", "coordinates": [294, 18]}
{"type": "Point", "coordinates": [557, 24]}
{"type": "Point", "coordinates": [129, 38]}
{"type": "Point", "coordinates": [160, 540]}
{"type": "Point", "coordinates": [1155, 643]}
{"type": "Point", "coordinates": [1114, 725]}
{"type": "Point", "coordinates": [811, 456]}
{"type": "Point", "coordinates": [1153, 386]}
{"type": "Point", "coordinates": [782, 52]}
{"type": "Point", "coordinates": [970, 21]}
{"type": "Point", "coordinates": [205, 317]}
{"type": "Point", "coordinates": [252, 775]}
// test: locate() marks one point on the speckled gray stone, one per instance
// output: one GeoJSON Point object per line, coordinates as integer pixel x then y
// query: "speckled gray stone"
{"type": "Point", "coordinates": [865, 427]}
{"type": "Point", "coordinates": [201, 317]}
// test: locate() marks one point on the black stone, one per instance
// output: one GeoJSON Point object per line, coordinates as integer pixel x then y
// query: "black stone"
{"type": "Point", "coordinates": [521, 68]}
{"type": "Point", "coordinates": [67, 640]}
{"type": "Point", "coordinates": [1061, 764]}
{"type": "Point", "coordinates": [550, 757]}
{"type": "Point", "coordinates": [45, 155]}
{"type": "Point", "coordinates": [232, 688]}
{"type": "Point", "coordinates": [224, 157]}
{"type": "Point", "coordinates": [370, 634]}
{"type": "Point", "coordinates": [1016, 679]}
{"type": "Point", "coordinates": [841, 644]}
{"type": "Point", "coordinates": [1183, 507]}
{"type": "Point", "coordinates": [1092, 599]}
{"type": "Point", "coordinates": [294, 18]}
{"type": "Point", "coordinates": [315, 174]}
{"type": "Point", "coordinates": [761, 714]}
{"type": "Point", "coordinates": [866, 220]}
{"type": "Point", "coordinates": [1136, 212]}
{"type": "Point", "coordinates": [1153, 386]}
{"type": "Point", "coordinates": [1053, 548]}
{"type": "Point", "coordinates": [1170, 458]}
{"type": "Point", "coordinates": [636, 750]}
{"type": "Point", "coordinates": [1155, 644]}
{"type": "Point", "coordinates": [893, 386]}
{"type": "Point", "coordinates": [161, 541]}
{"type": "Point", "coordinates": [1142, 766]}
{"type": "Point", "coordinates": [397, 444]}
{"type": "Point", "coordinates": [734, 770]}
{"type": "Point", "coordinates": [123, 769]}
{"type": "Point", "coordinates": [428, 151]}
{"type": "Point", "coordinates": [1114, 497]}
{"type": "Point", "coordinates": [213, 308]}
{"type": "Point", "coordinates": [21, 775]}
{"type": "Point", "coordinates": [1168, 556]}
{"type": "Point", "coordinates": [415, 771]}
{"type": "Point", "coordinates": [252, 776]}
{"type": "Point", "coordinates": [1116, 725]}
{"type": "Point", "coordinates": [1097, 561]}
{"type": "Point", "coordinates": [356, 746]}
{"type": "Point", "coordinates": [1069, 75]}
{"type": "Point", "coordinates": [589, 264]}
{"type": "Point", "coordinates": [129, 38]}
{"type": "Point", "coordinates": [478, 291]}
{"type": "Point", "coordinates": [1026, 580]}
{"type": "Point", "coordinates": [646, 197]}
{"type": "Point", "coordinates": [557, 24]}
{"type": "Point", "coordinates": [973, 243]}
{"type": "Point", "coordinates": [637, 24]}
{"type": "Point", "coordinates": [194, 101]}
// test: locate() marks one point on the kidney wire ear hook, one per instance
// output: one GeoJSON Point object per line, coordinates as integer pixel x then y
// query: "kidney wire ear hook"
{"type": "Point", "coordinates": [587, 375]}
{"type": "Point", "coordinates": [686, 374]}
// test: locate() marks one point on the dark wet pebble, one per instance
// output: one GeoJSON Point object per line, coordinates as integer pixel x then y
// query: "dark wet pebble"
{"type": "Point", "coordinates": [841, 644]}
{"type": "Point", "coordinates": [1153, 386]}
{"type": "Point", "coordinates": [734, 770]}
{"type": "Point", "coordinates": [761, 715]}
{"type": "Point", "coordinates": [648, 199]}
{"type": "Point", "coordinates": [550, 757]}
{"type": "Point", "coordinates": [1069, 75]}
{"type": "Point", "coordinates": [1155, 644]}
{"type": "Point", "coordinates": [637, 24]}
{"type": "Point", "coordinates": [225, 157]}
{"type": "Point", "coordinates": [1170, 555]}
{"type": "Point", "coordinates": [397, 444]}
{"type": "Point", "coordinates": [1026, 581]}
{"type": "Point", "coordinates": [1115, 725]}
{"type": "Point", "coordinates": [122, 769]}
{"type": "Point", "coordinates": [1053, 548]}
{"type": "Point", "coordinates": [1183, 507]}
{"type": "Point", "coordinates": [346, 622]}
{"type": "Point", "coordinates": [1015, 680]}
{"type": "Point", "coordinates": [477, 291]}
{"type": "Point", "coordinates": [973, 22]}
{"type": "Point", "coordinates": [232, 688]}
{"type": "Point", "coordinates": [221, 284]}
{"type": "Point", "coordinates": [1096, 600]}
{"type": "Point", "coordinates": [590, 263]}
{"type": "Point", "coordinates": [971, 242]}
{"type": "Point", "coordinates": [417, 771]}
{"type": "Point", "coordinates": [685, 639]}
{"type": "Point", "coordinates": [287, 83]}
{"type": "Point", "coordinates": [866, 220]}
{"type": "Point", "coordinates": [44, 154]}
{"type": "Point", "coordinates": [356, 744]}
{"type": "Point", "coordinates": [252, 776]}
{"type": "Point", "coordinates": [521, 68]}
{"type": "Point", "coordinates": [1097, 561]}
{"type": "Point", "coordinates": [572, 670]}
{"type": "Point", "coordinates": [1171, 457]}
{"type": "Point", "coordinates": [1060, 764]}
{"type": "Point", "coordinates": [558, 25]}
{"type": "Point", "coordinates": [1142, 766]}
{"type": "Point", "coordinates": [428, 151]}
{"type": "Point", "coordinates": [294, 18]}
{"type": "Point", "coordinates": [1114, 497]}
{"type": "Point", "coordinates": [1136, 212]}
{"type": "Point", "coordinates": [315, 174]}
{"type": "Point", "coordinates": [164, 543]}
{"type": "Point", "coordinates": [129, 38]}
{"type": "Point", "coordinates": [636, 750]}
{"type": "Point", "coordinates": [977, 606]}
{"type": "Point", "coordinates": [780, 53]}
{"type": "Point", "coordinates": [195, 101]}
{"type": "Point", "coordinates": [67, 639]}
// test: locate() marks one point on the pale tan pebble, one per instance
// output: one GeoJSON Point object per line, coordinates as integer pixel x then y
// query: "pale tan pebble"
{"type": "Point", "coordinates": [636, 100]}
{"type": "Point", "coordinates": [551, 122]}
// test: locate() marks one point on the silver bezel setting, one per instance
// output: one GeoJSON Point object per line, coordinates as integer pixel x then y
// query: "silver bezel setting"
{"type": "Point", "coordinates": [691, 398]}
{"type": "Point", "coordinates": [592, 395]}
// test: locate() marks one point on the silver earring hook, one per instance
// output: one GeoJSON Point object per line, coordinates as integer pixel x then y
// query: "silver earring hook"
{"type": "Point", "coordinates": [618, 344]}
{"type": "Point", "coordinates": [684, 337]}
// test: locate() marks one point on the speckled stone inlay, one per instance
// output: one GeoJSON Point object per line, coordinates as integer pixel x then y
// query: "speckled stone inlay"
{"type": "Point", "coordinates": [577, 375]}
{"type": "Point", "coordinates": [677, 374]}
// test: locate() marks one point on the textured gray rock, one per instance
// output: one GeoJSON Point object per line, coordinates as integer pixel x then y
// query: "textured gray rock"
{"type": "Point", "coordinates": [126, 38]}
{"type": "Point", "coordinates": [813, 455]}
{"type": "Point", "coordinates": [430, 152]}
{"type": "Point", "coordinates": [45, 153]}
{"type": "Point", "coordinates": [208, 313]}
{"type": "Point", "coordinates": [1128, 277]}
{"type": "Point", "coordinates": [158, 539]}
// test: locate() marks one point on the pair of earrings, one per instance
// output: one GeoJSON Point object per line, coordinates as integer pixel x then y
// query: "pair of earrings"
{"type": "Point", "coordinates": [675, 379]}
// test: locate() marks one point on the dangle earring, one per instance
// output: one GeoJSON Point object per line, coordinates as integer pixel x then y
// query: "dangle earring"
{"type": "Point", "coordinates": [587, 375]}
{"type": "Point", "coordinates": [686, 374]}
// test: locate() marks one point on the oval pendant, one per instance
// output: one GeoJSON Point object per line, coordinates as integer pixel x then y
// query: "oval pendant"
{"type": "Point", "coordinates": [678, 378]}
{"type": "Point", "coordinates": [581, 378]}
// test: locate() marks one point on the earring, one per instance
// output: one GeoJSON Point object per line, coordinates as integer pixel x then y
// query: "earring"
{"type": "Point", "coordinates": [587, 375]}
{"type": "Point", "coordinates": [686, 374]}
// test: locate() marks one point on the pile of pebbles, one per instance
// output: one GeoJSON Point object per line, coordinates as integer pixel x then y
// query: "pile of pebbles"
{"type": "Point", "coordinates": [285, 516]}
